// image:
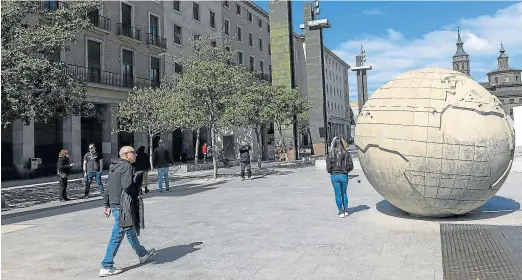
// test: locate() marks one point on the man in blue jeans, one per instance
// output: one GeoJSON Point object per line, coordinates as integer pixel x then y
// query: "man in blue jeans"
{"type": "Point", "coordinates": [121, 175]}
{"type": "Point", "coordinates": [92, 167]}
{"type": "Point", "coordinates": [161, 159]}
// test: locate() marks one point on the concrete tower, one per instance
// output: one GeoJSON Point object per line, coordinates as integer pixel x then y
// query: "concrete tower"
{"type": "Point", "coordinates": [461, 58]}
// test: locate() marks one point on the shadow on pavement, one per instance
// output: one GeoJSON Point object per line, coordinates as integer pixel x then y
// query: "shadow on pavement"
{"type": "Point", "coordinates": [169, 254]}
{"type": "Point", "coordinates": [182, 190]}
{"type": "Point", "coordinates": [358, 208]}
{"type": "Point", "coordinates": [497, 206]}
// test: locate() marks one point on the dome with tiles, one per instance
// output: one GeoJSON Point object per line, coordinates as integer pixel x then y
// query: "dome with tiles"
{"type": "Point", "coordinates": [433, 142]}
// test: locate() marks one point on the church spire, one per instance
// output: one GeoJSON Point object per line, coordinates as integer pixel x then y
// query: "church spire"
{"type": "Point", "coordinates": [461, 58]}
{"type": "Point", "coordinates": [503, 59]}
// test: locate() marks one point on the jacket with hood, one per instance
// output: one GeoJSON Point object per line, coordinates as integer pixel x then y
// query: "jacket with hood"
{"type": "Point", "coordinates": [121, 175]}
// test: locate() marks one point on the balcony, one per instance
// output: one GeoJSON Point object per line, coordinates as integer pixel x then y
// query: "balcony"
{"type": "Point", "coordinates": [93, 75]}
{"type": "Point", "coordinates": [100, 22]}
{"type": "Point", "coordinates": [127, 31]}
{"type": "Point", "coordinates": [155, 40]}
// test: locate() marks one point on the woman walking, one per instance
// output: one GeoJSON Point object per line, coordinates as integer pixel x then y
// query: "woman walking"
{"type": "Point", "coordinates": [142, 163]}
{"type": "Point", "coordinates": [64, 169]}
{"type": "Point", "coordinates": [339, 163]}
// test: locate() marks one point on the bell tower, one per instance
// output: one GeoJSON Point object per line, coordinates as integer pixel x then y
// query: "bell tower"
{"type": "Point", "coordinates": [461, 58]}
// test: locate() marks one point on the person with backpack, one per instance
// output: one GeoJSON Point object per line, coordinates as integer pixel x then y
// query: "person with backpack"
{"type": "Point", "coordinates": [339, 163]}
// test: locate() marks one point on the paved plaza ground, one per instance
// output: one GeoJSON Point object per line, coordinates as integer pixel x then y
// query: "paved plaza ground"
{"type": "Point", "coordinates": [282, 225]}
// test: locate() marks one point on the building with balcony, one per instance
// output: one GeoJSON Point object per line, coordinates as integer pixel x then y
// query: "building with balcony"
{"type": "Point", "coordinates": [122, 51]}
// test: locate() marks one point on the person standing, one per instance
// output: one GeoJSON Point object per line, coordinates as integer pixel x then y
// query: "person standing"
{"type": "Point", "coordinates": [92, 167]}
{"type": "Point", "coordinates": [339, 163]}
{"type": "Point", "coordinates": [143, 164]}
{"type": "Point", "coordinates": [204, 152]}
{"type": "Point", "coordinates": [121, 198]}
{"type": "Point", "coordinates": [244, 157]}
{"type": "Point", "coordinates": [64, 169]}
{"type": "Point", "coordinates": [161, 160]}
{"type": "Point", "coordinates": [184, 153]}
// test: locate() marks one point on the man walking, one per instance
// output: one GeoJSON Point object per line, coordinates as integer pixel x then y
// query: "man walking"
{"type": "Point", "coordinates": [160, 160]}
{"type": "Point", "coordinates": [92, 167]}
{"type": "Point", "coordinates": [244, 157]}
{"type": "Point", "coordinates": [121, 179]}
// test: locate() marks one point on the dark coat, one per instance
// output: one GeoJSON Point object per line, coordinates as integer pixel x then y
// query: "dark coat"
{"type": "Point", "coordinates": [142, 162]}
{"type": "Point", "coordinates": [63, 167]}
{"type": "Point", "coordinates": [132, 210]}
{"type": "Point", "coordinates": [345, 166]}
{"type": "Point", "coordinates": [244, 153]}
{"type": "Point", "coordinates": [161, 157]}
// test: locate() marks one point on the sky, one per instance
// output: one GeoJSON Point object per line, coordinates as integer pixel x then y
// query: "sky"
{"type": "Point", "coordinates": [401, 36]}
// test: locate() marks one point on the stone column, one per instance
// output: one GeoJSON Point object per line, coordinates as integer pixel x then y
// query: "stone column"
{"type": "Point", "coordinates": [23, 145]}
{"type": "Point", "coordinates": [109, 140]}
{"type": "Point", "coordinates": [72, 140]}
{"type": "Point", "coordinates": [188, 140]}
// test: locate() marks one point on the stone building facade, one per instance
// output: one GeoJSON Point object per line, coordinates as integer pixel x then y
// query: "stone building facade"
{"type": "Point", "coordinates": [505, 83]}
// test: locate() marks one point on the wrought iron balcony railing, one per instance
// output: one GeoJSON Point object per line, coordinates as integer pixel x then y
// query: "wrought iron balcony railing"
{"type": "Point", "coordinates": [94, 75]}
{"type": "Point", "coordinates": [156, 40]}
{"type": "Point", "coordinates": [53, 5]}
{"type": "Point", "coordinates": [129, 31]}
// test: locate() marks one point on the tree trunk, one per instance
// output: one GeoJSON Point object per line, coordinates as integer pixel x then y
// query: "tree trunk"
{"type": "Point", "coordinates": [214, 161]}
{"type": "Point", "coordinates": [151, 150]}
{"type": "Point", "coordinates": [196, 156]}
{"type": "Point", "coordinates": [283, 142]}
{"type": "Point", "coordinates": [259, 151]}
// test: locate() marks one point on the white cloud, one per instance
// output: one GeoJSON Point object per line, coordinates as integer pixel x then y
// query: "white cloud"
{"type": "Point", "coordinates": [372, 12]}
{"type": "Point", "coordinates": [392, 54]}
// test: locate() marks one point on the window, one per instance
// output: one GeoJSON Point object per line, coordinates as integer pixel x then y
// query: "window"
{"type": "Point", "coordinates": [520, 100]}
{"type": "Point", "coordinates": [225, 4]}
{"type": "Point", "coordinates": [260, 23]}
{"type": "Point", "coordinates": [240, 58]}
{"type": "Point", "coordinates": [213, 44]}
{"type": "Point", "coordinates": [93, 61]}
{"type": "Point", "coordinates": [511, 101]}
{"type": "Point", "coordinates": [270, 70]}
{"type": "Point", "coordinates": [212, 20]}
{"type": "Point", "coordinates": [155, 69]}
{"type": "Point", "coordinates": [262, 67]}
{"type": "Point", "coordinates": [227, 49]}
{"type": "Point", "coordinates": [55, 55]}
{"type": "Point", "coordinates": [177, 34]}
{"type": "Point", "coordinates": [227, 27]}
{"type": "Point", "coordinates": [507, 79]}
{"type": "Point", "coordinates": [268, 28]}
{"type": "Point", "coordinates": [178, 68]}
{"type": "Point", "coordinates": [260, 45]}
{"type": "Point", "coordinates": [496, 80]}
{"type": "Point", "coordinates": [126, 16]}
{"type": "Point", "coordinates": [269, 50]}
{"type": "Point", "coordinates": [249, 16]}
{"type": "Point", "coordinates": [252, 67]}
{"type": "Point", "coordinates": [251, 39]}
{"type": "Point", "coordinates": [239, 34]}
{"type": "Point", "coordinates": [511, 112]}
{"type": "Point", "coordinates": [195, 11]}
{"type": "Point", "coordinates": [238, 9]}
{"type": "Point", "coordinates": [176, 6]}
{"type": "Point", "coordinates": [516, 79]}
{"type": "Point", "coordinates": [127, 67]}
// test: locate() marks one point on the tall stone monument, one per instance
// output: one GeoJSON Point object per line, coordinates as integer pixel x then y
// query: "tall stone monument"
{"type": "Point", "coordinates": [362, 78]}
{"type": "Point", "coordinates": [282, 50]}
{"type": "Point", "coordinates": [313, 30]}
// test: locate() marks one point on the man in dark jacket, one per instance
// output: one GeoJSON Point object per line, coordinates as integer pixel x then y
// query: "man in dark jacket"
{"type": "Point", "coordinates": [244, 157]}
{"type": "Point", "coordinates": [143, 164]}
{"type": "Point", "coordinates": [161, 160]}
{"type": "Point", "coordinates": [121, 179]}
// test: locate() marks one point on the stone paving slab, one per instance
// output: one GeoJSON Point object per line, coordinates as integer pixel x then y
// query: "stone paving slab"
{"type": "Point", "coordinates": [281, 226]}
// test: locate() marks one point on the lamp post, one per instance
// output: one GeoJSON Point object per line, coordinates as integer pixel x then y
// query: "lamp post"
{"type": "Point", "coordinates": [319, 24]}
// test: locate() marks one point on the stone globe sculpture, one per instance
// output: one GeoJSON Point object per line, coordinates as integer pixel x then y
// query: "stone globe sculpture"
{"type": "Point", "coordinates": [434, 143]}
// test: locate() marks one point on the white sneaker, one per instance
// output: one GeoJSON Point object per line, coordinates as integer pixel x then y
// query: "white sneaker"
{"type": "Point", "coordinates": [346, 214]}
{"type": "Point", "coordinates": [104, 272]}
{"type": "Point", "coordinates": [341, 215]}
{"type": "Point", "coordinates": [149, 254]}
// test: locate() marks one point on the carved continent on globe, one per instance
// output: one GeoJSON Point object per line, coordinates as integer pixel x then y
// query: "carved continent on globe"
{"type": "Point", "coordinates": [434, 142]}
